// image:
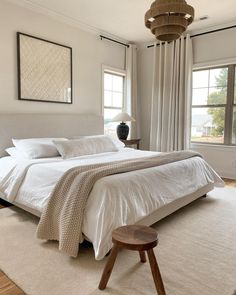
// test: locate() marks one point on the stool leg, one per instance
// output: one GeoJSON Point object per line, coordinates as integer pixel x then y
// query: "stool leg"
{"type": "Point", "coordinates": [156, 273]}
{"type": "Point", "coordinates": [142, 256]}
{"type": "Point", "coordinates": [108, 268]}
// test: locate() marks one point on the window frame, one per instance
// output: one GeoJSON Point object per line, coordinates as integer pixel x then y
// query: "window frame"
{"type": "Point", "coordinates": [120, 73]}
{"type": "Point", "coordinates": [229, 105]}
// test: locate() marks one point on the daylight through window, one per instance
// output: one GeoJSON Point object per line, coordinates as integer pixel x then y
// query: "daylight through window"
{"type": "Point", "coordinates": [214, 106]}
{"type": "Point", "coordinates": [113, 99]}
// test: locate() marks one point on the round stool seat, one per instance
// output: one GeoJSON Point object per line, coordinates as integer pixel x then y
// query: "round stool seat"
{"type": "Point", "coordinates": [135, 237]}
{"type": "Point", "coordinates": [138, 238]}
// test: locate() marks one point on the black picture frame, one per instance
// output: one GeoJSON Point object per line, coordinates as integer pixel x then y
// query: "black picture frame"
{"type": "Point", "coordinates": [21, 96]}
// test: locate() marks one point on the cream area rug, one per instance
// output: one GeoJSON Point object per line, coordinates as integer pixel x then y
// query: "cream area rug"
{"type": "Point", "coordinates": [196, 255]}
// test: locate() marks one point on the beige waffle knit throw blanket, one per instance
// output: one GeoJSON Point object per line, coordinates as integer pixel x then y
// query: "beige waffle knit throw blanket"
{"type": "Point", "coordinates": [62, 217]}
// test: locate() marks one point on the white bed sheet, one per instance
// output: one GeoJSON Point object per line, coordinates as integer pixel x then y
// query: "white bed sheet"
{"type": "Point", "coordinates": [115, 200]}
{"type": "Point", "coordinates": [6, 165]}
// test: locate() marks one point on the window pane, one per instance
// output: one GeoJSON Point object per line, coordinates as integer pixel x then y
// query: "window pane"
{"type": "Point", "coordinates": [108, 98]}
{"type": "Point", "coordinates": [235, 87]}
{"type": "Point", "coordinates": [200, 96]}
{"type": "Point", "coordinates": [235, 94]}
{"type": "Point", "coordinates": [200, 79]}
{"type": "Point", "coordinates": [107, 81]}
{"type": "Point", "coordinates": [113, 100]}
{"type": "Point", "coordinates": [234, 127]}
{"type": "Point", "coordinates": [110, 127]}
{"type": "Point", "coordinates": [208, 125]}
{"type": "Point", "coordinates": [210, 96]}
{"type": "Point", "coordinates": [218, 77]}
{"type": "Point", "coordinates": [117, 99]}
{"type": "Point", "coordinates": [110, 114]}
{"type": "Point", "coordinates": [217, 95]}
{"type": "Point", "coordinates": [117, 83]}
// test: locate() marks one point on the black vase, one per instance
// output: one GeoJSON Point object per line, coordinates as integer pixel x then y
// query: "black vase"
{"type": "Point", "coordinates": [122, 131]}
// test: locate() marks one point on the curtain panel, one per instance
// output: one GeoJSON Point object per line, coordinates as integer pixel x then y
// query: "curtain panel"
{"type": "Point", "coordinates": [132, 89]}
{"type": "Point", "coordinates": [171, 96]}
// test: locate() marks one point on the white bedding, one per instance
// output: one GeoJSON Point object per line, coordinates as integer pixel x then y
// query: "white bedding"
{"type": "Point", "coordinates": [115, 200]}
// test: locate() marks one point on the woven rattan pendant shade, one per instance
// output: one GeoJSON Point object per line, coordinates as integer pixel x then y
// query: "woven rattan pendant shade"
{"type": "Point", "coordinates": [169, 19]}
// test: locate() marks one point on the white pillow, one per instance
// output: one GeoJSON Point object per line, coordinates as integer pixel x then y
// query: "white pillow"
{"type": "Point", "coordinates": [38, 139]}
{"type": "Point", "coordinates": [14, 152]}
{"type": "Point", "coordinates": [35, 148]}
{"type": "Point", "coordinates": [85, 146]}
{"type": "Point", "coordinates": [119, 144]}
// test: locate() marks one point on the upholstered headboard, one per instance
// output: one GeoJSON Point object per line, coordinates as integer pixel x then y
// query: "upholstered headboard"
{"type": "Point", "coordinates": [46, 125]}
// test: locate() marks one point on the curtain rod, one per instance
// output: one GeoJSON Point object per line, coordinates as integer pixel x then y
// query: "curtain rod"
{"type": "Point", "coordinates": [201, 34]}
{"type": "Point", "coordinates": [112, 40]}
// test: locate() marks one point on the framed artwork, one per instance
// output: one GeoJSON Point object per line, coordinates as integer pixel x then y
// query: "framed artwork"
{"type": "Point", "coordinates": [44, 70]}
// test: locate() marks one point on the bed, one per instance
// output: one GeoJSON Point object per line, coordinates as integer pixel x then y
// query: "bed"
{"type": "Point", "coordinates": [142, 196]}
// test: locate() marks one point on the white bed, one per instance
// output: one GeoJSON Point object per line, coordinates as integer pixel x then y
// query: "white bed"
{"type": "Point", "coordinates": [143, 196]}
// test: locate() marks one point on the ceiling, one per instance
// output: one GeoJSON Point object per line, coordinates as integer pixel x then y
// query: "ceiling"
{"type": "Point", "coordinates": [125, 18]}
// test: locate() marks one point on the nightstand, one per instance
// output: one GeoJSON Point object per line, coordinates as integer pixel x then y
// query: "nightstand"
{"type": "Point", "coordinates": [129, 142]}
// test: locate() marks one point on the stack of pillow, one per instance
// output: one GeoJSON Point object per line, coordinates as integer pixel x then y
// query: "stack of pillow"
{"type": "Point", "coordinates": [36, 148]}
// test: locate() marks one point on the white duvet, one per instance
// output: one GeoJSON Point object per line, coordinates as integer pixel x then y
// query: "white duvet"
{"type": "Point", "coordinates": [115, 200]}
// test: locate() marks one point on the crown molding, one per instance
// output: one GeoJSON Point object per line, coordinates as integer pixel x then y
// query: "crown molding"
{"type": "Point", "coordinates": [64, 18]}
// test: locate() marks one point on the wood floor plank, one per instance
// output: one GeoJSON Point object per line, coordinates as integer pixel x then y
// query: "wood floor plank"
{"type": "Point", "coordinates": [7, 287]}
{"type": "Point", "coordinates": [230, 182]}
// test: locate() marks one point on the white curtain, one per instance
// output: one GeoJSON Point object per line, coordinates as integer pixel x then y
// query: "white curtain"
{"type": "Point", "coordinates": [132, 89]}
{"type": "Point", "coordinates": [171, 96]}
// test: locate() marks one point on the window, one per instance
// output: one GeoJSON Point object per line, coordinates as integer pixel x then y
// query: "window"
{"type": "Point", "coordinates": [114, 85]}
{"type": "Point", "coordinates": [234, 111]}
{"type": "Point", "coordinates": [214, 106]}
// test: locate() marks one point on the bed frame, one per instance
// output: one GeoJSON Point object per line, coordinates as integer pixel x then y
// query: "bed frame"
{"type": "Point", "coordinates": [175, 205]}
{"type": "Point", "coordinates": [46, 125]}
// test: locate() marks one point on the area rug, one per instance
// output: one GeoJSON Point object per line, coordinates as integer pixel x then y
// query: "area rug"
{"type": "Point", "coordinates": [196, 255]}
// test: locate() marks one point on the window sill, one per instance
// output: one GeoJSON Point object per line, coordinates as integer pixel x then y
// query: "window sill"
{"type": "Point", "coordinates": [213, 146]}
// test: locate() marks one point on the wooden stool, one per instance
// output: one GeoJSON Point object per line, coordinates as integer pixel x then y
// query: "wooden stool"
{"type": "Point", "coordinates": [138, 238]}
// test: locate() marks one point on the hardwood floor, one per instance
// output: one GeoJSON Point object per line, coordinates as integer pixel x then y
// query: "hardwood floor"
{"type": "Point", "coordinates": [7, 287]}
{"type": "Point", "coordinates": [230, 182]}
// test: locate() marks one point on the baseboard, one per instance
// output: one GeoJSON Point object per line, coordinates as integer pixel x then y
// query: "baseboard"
{"type": "Point", "coordinates": [227, 174]}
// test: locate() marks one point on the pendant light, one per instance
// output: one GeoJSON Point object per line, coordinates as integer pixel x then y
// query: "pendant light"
{"type": "Point", "coordinates": [169, 19]}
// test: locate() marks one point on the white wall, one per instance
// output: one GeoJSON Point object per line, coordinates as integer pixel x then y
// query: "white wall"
{"type": "Point", "coordinates": [222, 159]}
{"type": "Point", "coordinates": [89, 53]}
{"type": "Point", "coordinates": [212, 49]}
